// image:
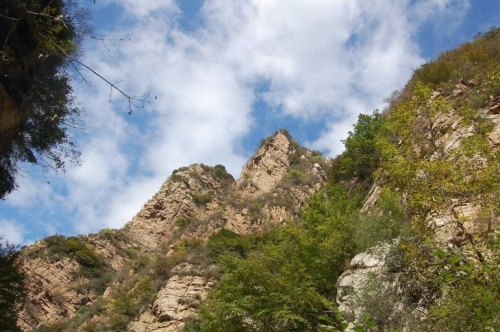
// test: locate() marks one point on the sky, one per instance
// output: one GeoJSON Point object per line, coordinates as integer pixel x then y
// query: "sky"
{"type": "Point", "coordinates": [219, 76]}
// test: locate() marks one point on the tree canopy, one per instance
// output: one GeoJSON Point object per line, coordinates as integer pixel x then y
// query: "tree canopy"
{"type": "Point", "coordinates": [12, 290]}
{"type": "Point", "coordinates": [360, 158]}
{"type": "Point", "coordinates": [38, 40]}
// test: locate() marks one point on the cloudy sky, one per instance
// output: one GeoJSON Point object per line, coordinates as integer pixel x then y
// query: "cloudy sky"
{"type": "Point", "coordinates": [225, 74]}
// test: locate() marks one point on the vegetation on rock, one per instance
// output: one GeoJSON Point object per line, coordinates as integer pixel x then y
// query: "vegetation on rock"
{"type": "Point", "coordinates": [286, 282]}
{"type": "Point", "coordinates": [38, 39]}
{"type": "Point", "coordinates": [12, 288]}
{"type": "Point", "coordinates": [420, 179]}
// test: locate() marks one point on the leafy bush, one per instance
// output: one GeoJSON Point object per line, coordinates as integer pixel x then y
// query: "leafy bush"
{"type": "Point", "coordinates": [226, 241]}
{"type": "Point", "coordinates": [241, 299]}
{"type": "Point", "coordinates": [178, 178]}
{"type": "Point", "coordinates": [74, 247]}
{"type": "Point", "coordinates": [434, 73]}
{"type": "Point", "coordinates": [360, 158]}
{"type": "Point", "coordinates": [201, 198]}
{"type": "Point", "coordinates": [385, 222]}
{"type": "Point", "coordinates": [297, 177]}
{"type": "Point", "coordinates": [471, 298]}
{"type": "Point", "coordinates": [12, 286]}
{"type": "Point", "coordinates": [181, 222]}
{"type": "Point", "coordinates": [192, 325]}
{"type": "Point", "coordinates": [471, 60]}
{"type": "Point", "coordinates": [221, 172]}
{"type": "Point", "coordinates": [116, 236]}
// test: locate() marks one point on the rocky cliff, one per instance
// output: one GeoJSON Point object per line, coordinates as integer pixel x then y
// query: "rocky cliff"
{"type": "Point", "coordinates": [403, 236]}
{"type": "Point", "coordinates": [74, 281]}
{"type": "Point", "coordinates": [457, 218]}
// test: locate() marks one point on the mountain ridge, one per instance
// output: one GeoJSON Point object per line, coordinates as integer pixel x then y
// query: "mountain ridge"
{"type": "Point", "coordinates": [193, 203]}
{"type": "Point", "coordinates": [399, 232]}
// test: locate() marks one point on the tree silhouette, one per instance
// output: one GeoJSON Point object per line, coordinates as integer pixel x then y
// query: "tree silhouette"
{"type": "Point", "coordinates": [40, 48]}
{"type": "Point", "coordinates": [12, 289]}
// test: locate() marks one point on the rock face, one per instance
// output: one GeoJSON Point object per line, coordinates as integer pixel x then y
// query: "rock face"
{"type": "Point", "coordinates": [269, 164]}
{"type": "Point", "coordinates": [156, 222]}
{"type": "Point", "coordinates": [57, 285]}
{"type": "Point", "coordinates": [371, 285]}
{"type": "Point", "coordinates": [263, 195]}
{"type": "Point", "coordinates": [193, 203]}
{"type": "Point", "coordinates": [352, 286]}
{"type": "Point", "coordinates": [374, 285]}
{"type": "Point", "coordinates": [176, 302]}
{"type": "Point", "coordinates": [231, 203]}
{"type": "Point", "coordinates": [51, 293]}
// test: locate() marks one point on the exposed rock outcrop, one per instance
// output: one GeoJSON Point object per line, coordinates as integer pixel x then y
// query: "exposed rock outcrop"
{"type": "Point", "coordinates": [176, 302]}
{"type": "Point", "coordinates": [193, 203]}
{"type": "Point", "coordinates": [176, 199]}
{"type": "Point", "coordinates": [266, 168]}
{"type": "Point", "coordinates": [371, 285]}
{"type": "Point", "coordinates": [353, 286]}
{"type": "Point", "coordinates": [262, 196]}
{"type": "Point", "coordinates": [374, 285]}
{"type": "Point", "coordinates": [58, 284]}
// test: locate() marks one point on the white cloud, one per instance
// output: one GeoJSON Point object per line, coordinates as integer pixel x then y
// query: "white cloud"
{"type": "Point", "coordinates": [144, 8]}
{"type": "Point", "coordinates": [12, 232]}
{"type": "Point", "coordinates": [319, 59]}
{"type": "Point", "coordinates": [32, 192]}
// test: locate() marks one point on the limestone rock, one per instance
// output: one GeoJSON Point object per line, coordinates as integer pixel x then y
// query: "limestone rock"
{"type": "Point", "coordinates": [494, 135]}
{"type": "Point", "coordinates": [371, 197]}
{"type": "Point", "coordinates": [372, 286]}
{"type": "Point", "coordinates": [56, 287]}
{"type": "Point", "coordinates": [269, 164]}
{"type": "Point", "coordinates": [193, 203]}
{"type": "Point", "coordinates": [156, 222]}
{"type": "Point", "coordinates": [177, 301]}
{"type": "Point", "coordinates": [352, 283]}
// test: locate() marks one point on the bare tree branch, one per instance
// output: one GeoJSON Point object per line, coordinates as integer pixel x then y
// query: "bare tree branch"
{"type": "Point", "coordinates": [9, 18]}
{"type": "Point", "coordinates": [73, 60]}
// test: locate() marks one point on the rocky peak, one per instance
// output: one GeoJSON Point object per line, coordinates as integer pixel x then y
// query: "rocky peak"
{"type": "Point", "coordinates": [193, 203]}
{"type": "Point", "coordinates": [269, 164]}
{"type": "Point", "coordinates": [187, 192]}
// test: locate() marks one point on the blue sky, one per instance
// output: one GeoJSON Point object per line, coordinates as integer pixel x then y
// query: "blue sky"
{"type": "Point", "coordinates": [226, 74]}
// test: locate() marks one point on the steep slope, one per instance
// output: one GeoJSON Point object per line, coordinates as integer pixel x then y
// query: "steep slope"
{"type": "Point", "coordinates": [80, 282]}
{"type": "Point", "coordinates": [441, 156]}
{"type": "Point", "coordinates": [65, 274]}
{"type": "Point", "coordinates": [404, 236]}
{"type": "Point", "coordinates": [418, 251]}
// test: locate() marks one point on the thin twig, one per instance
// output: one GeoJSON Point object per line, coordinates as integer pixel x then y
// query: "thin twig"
{"type": "Point", "coordinates": [10, 18]}
{"type": "Point", "coordinates": [113, 86]}
{"type": "Point", "coordinates": [74, 61]}
{"type": "Point", "coordinates": [81, 75]}
{"type": "Point", "coordinates": [102, 41]}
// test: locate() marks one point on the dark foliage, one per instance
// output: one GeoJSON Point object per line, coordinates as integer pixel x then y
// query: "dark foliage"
{"type": "Point", "coordinates": [37, 40]}
{"type": "Point", "coordinates": [12, 290]}
{"type": "Point", "coordinates": [74, 247]}
{"type": "Point", "coordinates": [360, 158]}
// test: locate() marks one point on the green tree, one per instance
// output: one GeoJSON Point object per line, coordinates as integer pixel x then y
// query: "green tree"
{"type": "Point", "coordinates": [360, 158]}
{"type": "Point", "coordinates": [40, 49]}
{"type": "Point", "coordinates": [271, 290]}
{"type": "Point", "coordinates": [38, 40]}
{"type": "Point", "coordinates": [286, 283]}
{"type": "Point", "coordinates": [12, 289]}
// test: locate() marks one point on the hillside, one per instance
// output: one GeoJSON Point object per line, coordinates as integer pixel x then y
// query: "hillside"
{"type": "Point", "coordinates": [397, 233]}
{"type": "Point", "coordinates": [108, 279]}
